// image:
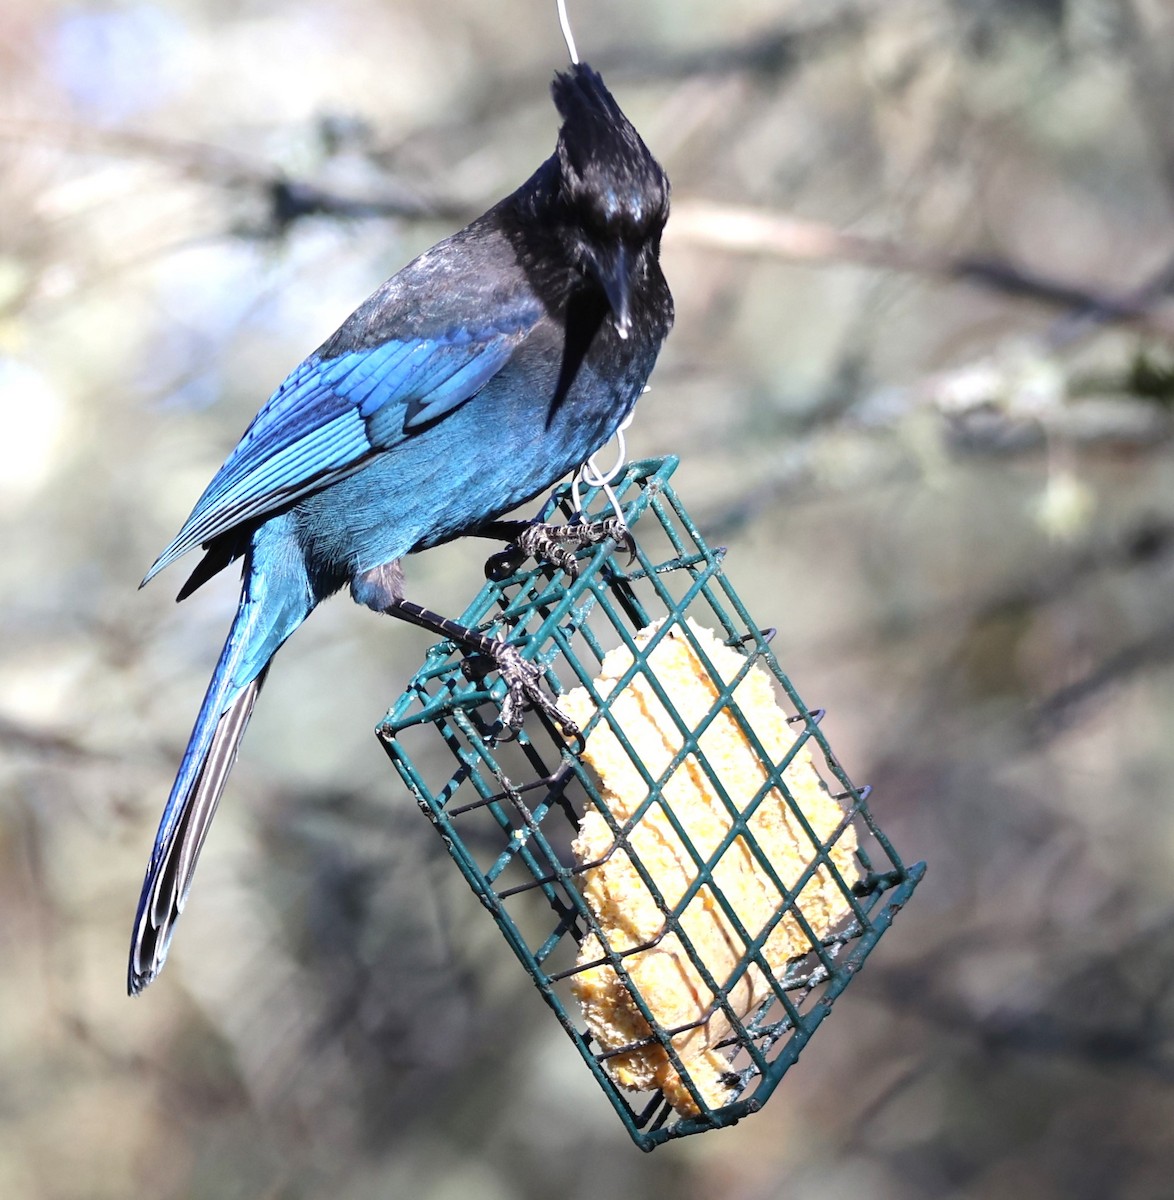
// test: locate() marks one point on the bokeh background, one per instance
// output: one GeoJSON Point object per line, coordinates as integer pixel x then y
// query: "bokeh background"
{"type": "Point", "coordinates": [921, 384]}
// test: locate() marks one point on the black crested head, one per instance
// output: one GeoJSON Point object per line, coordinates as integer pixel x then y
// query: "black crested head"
{"type": "Point", "coordinates": [616, 193]}
{"type": "Point", "coordinates": [608, 173]}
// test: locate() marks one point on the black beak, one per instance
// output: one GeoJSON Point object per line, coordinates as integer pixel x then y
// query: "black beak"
{"type": "Point", "coordinates": [612, 267]}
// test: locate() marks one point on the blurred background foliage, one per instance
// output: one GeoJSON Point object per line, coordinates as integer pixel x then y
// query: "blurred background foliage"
{"type": "Point", "coordinates": [921, 383]}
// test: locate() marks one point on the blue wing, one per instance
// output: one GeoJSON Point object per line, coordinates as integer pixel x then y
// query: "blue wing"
{"type": "Point", "coordinates": [332, 414]}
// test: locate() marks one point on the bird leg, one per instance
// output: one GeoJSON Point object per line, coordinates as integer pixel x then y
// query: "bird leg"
{"type": "Point", "coordinates": [522, 678]}
{"type": "Point", "coordinates": [555, 544]}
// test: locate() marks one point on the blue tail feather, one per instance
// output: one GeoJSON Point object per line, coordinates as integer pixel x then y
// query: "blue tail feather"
{"type": "Point", "coordinates": [244, 662]}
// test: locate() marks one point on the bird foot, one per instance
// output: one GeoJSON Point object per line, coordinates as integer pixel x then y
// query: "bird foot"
{"type": "Point", "coordinates": [523, 682]}
{"type": "Point", "coordinates": [523, 679]}
{"type": "Point", "coordinates": [557, 545]}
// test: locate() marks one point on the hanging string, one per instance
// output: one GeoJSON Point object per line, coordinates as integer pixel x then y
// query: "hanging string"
{"type": "Point", "coordinates": [568, 36]}
{"type": "Point", "coordinates": [590, 474]}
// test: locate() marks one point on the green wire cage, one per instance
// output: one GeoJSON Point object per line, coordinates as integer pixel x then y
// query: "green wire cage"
{"type": "Point", "coordinates": [515, 814]}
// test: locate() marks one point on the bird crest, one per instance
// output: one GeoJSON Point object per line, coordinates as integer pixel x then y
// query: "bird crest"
{"type": "Point", "coordinates": [607, 170]}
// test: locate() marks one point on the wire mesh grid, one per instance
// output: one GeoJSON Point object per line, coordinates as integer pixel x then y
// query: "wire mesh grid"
{"type": "Point", "coordinates": [687, 1000]}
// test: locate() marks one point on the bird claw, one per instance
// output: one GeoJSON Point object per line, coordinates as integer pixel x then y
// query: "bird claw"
{"type": "Point", "coordinates": [623, 536]}
{"type": "Point", "coordinates": [523, 690]}
{"type": "Point", "coordinates": [557, 545]}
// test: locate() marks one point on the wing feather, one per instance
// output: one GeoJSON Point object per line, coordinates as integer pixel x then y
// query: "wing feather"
{"type": "Point", "coordinates": [332, 414]}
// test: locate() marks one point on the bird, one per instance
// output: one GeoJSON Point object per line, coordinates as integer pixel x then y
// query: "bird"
{"type": "Point", "coordinates": [488, 368]}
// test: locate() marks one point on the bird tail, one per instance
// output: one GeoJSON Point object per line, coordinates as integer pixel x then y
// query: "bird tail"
{"type": "Point", "coordinates": [211, 751]}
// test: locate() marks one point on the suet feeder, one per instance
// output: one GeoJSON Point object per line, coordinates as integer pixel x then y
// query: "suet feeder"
{"type": "Point", "coordinates": [692, 881]}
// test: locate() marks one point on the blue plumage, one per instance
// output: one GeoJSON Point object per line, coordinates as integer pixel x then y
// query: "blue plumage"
{"type": "Point", "coordinates": [331, 414]}
{"type": "Point", "coordinates": [469, 383]}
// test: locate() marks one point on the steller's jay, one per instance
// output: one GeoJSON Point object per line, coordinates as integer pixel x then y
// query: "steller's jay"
{"type": "Point", "coordinates": [469, 383]}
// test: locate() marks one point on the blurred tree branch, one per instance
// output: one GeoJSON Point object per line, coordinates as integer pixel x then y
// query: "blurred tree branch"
{"type": "Point", "coordinates": [46, 742]}
{"type": "Point", "coordinates": [740, 230]}
{"type": "Point", "coordinates": [1055, 713]}
{"type": "Point", "coordinates": [695, 222]}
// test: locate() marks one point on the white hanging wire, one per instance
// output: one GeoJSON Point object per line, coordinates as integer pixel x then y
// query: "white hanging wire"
{"type": "Point", "coordinates": [590, 474]}
{"type": "Point", "coordinates": [568, 36]}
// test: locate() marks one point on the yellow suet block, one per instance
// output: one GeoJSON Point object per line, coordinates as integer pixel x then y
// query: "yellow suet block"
{"type": "Point", "coordinates": [628, 915]}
